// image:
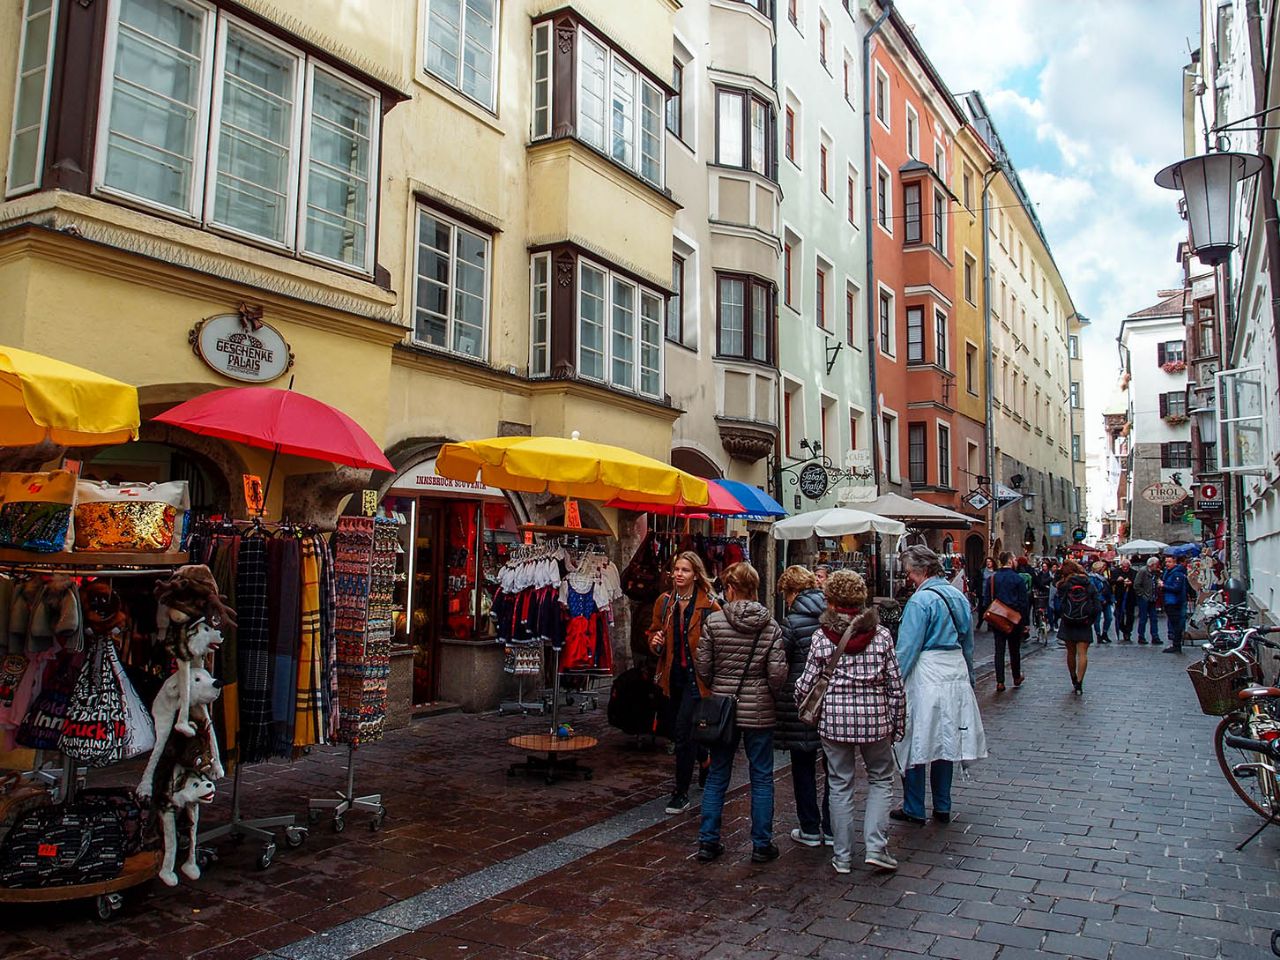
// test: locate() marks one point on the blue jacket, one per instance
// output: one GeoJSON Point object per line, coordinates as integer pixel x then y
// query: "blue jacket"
{"type": "Point", "coordinates": [927, 624]}
{"type": "Point", "coordinates": [1176, 587]}
{"type": "Point", "coordinates": [1102, 585]}
{"type": "Point", "coordinates": [1009, 587]}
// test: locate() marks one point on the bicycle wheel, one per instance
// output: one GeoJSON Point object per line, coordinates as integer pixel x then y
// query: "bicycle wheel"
{"type": "Point", "coordinates": [1252, 776]}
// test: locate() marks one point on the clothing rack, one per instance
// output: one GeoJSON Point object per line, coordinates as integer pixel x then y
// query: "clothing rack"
{"type": "Point", "coordinates": [258, 828]}
{"type": "Point", "coordinates": [349, 801]}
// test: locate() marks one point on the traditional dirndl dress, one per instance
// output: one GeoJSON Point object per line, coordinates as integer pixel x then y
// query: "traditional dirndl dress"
{"type": "Point", "coordinates": [943, 722]}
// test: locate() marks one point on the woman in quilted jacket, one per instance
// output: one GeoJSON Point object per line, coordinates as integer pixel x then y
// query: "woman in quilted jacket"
{"type": "Point", "coordinates": [741, 655]}
{"type": "Point", "coordinates": [805, 604]}
{"type": "Point", "coordinates": [864, 711]}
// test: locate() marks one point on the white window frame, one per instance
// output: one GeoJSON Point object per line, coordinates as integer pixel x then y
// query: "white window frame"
{"type": "Point", "coordinates": [972, 389]}
{"type": "Point", "coordinates": [641, 81]}
{"type": "Point", "coordinates": [827, 403]}
{"type": "Point", "coordinates": [14, 189]}
{"type": "Point", "coordinates": [1229, 419]}
{"type": "Point", "coordinates": [879, 75]}
{"type": "Point", "coordinates": [973, 278]}
{"type": "Point", "coordinates": [541, 31]}
{"type": "Point", "coordinates": [940, 160]}
{"type": "Point", "coordinates": [827, 268]}
{"type": "Point", "coordinates": [418, 210]}
{"type": "Point", "coordinates": [944, 463]}
{"type": "Point", "coordinates": [881, 291]}
{"type": "Point", "coordinates": [858, 332]}
{"type": "Point", "coordinates": [825, 164]}
{"type": "Point", "coordinates": [794, 388]}
{"type": "Point", "coordinates": [940, 332]}
{"type": "Point", "coordinates": [496, 79]}
{"type": "Point", "coordinates": [884, 213]}
{"type": "Point", "coordinates": [198, 210]}
{"type": "Point", "coordinates": [893, 443]}
{"type": "Point", "coordinates": [610, 276]}
{"type": "Point", "coordinates": [853, 202]}
{"type": "Point", "coordinates": [911, 125]}
{"type": "Point", "coordinates": [543, 259]}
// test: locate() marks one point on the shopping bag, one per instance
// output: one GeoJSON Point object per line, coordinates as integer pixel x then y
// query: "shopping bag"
{"type": "Point", "coordinates": [36, 510]}
{"type": "Point", "coordinates": [41, 728]}
{"type": "Point", "coordinates": [140, 730]}
{"type": "Point", "coordinates": [95, 731]}
{"type": "Point", "coordinates": [143, 517]}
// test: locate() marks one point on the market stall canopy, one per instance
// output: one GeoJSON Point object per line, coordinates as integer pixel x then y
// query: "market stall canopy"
{"type": "Point", "coordinates": [1183, 550]}
{"type": "Point", "coordinates": [279, 420]}
{"type": "Point", "coordinates": [45, 399]}
{"type": "Point", "coordinates": [759, 505]}
{"type": "Point", "coordinates": [835, 522]}
{"type": "Point", "coordinates": [916, 513]}
{"type": "Point", "coordinates": [1141, 546]}
{"type": "Point", "coordinates": [569, 468]}
{"type": "Point", "coordinates": [719, 503]}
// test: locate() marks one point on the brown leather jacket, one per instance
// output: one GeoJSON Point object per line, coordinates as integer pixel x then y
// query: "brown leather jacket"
{"type": "Point", "coordinates": [664, 616]}
{"type": "Point", "coordinates": [723, 655]}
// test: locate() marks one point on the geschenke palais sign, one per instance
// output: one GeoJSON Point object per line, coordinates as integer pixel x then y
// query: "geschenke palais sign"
{"type": "Point", "coordinates": [247, 350]}
{"type": "Point", "coordinates": [1164, 493]}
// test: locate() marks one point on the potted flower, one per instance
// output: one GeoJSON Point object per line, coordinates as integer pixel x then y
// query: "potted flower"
{"type": "Point", "coordinates": [1176, 419]}
{"type": "Point", "coordinates": [1174, 366]}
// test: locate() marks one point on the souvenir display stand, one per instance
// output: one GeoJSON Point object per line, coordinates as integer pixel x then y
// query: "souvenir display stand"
{"type": "Point", "coordinates": [556, 594]}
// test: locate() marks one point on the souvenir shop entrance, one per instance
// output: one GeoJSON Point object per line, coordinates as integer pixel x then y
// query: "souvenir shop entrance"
{"type": "Point", "coordinates": [454, 538]}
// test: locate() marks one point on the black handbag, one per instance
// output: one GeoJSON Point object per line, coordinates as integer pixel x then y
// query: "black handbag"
{"type": "Point", "coordinates": [715, 716]}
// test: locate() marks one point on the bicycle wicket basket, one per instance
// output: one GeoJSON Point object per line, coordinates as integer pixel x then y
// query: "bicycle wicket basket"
{"type": "Point", "coordinates": [1216, 680]}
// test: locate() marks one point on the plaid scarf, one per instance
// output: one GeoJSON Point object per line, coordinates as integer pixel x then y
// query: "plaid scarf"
{"type": "Point", "coordinates": [253, 656]}
{"type": "Point", "coordinates": [309, 724]}
{"type": "Point", "coordinates": [284, 575]}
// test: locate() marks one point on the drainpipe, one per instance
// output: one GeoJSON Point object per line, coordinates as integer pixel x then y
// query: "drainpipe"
{"type": "Point", "coordinates": [868, 210]}
{"type": "Point", "coordinates": [990, 362]}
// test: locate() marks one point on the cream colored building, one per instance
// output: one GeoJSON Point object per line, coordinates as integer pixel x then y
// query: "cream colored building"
{"type": "Point", "coordinates": [459, 222]}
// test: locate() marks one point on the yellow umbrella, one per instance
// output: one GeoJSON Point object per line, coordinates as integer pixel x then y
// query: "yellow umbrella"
{"type": "Point", "coordinates": [569, 468]}
{"type": "Point", "coordinates": [46, 399]}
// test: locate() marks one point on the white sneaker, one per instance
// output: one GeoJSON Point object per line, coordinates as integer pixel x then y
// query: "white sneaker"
{"type": "Point", "coordinates": [828, 840]}
{"type": "Point", "coordinates": [806, 839]}
{"type": "Point", "coordinates": [841, 866]}
{"type": "Point", "coordinates": [883, 860]}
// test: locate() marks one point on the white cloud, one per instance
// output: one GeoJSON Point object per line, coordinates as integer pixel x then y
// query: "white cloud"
{"type": "Point", "coordinates": [1060, 200]}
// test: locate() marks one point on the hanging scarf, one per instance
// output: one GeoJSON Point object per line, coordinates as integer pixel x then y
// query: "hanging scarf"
{"type": "Point", "coordinates": [309, 722]}
{"type": "Point", "coordinates": [253, 657]}
{"type": "Point", "coordinates": [284, 575]}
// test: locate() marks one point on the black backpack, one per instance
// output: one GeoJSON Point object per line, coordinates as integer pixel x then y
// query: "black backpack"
{"type": "Point", "coordinates": [1079, 603]}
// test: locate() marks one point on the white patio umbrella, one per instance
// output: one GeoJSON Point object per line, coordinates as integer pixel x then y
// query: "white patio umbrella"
{"type": "Point", "coordinates": [917, 513]}
{"type": "Point", "coordinates": [1140, 546]}
{"type": "Point", "coordinates": [835, 522]}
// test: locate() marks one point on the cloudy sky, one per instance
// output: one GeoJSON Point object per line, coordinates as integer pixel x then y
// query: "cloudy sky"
{"type": "Point", "coordinates": [1087, 96]}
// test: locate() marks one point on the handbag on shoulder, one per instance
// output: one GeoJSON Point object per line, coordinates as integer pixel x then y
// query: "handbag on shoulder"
{"type": "Point", "coordinates": [810, 708]}
{"type": "Point", "coordinates": [1002, 616]}
{"type": "Point", "coordinates": [715, 716]}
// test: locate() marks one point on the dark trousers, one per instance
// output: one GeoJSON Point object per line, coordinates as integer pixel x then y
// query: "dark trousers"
{"type": "Point", "coordinates": [684, 701]}
{"type": "Point", "coordinates": [1013, 642]}
{"type": "Point", "coordinates": [1124, 617]}
{"type": "Point", "coordinates": [1177, 615]}
{"type": "Point", "coordinates": [804, 778]}
{"type": "Point", "coordinates": [1148, 612]}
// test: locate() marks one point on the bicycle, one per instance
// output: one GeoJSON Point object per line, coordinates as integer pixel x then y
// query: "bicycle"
{"type": "Point", "coordinates": [1038, 629]}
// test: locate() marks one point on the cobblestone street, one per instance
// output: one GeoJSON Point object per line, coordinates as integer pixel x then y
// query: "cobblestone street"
{"type": "Point", "coordinates": [1100, 828]}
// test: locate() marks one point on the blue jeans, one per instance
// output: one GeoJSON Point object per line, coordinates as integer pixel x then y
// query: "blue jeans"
{"type": "Point", "coordinates": [940, 773]}
{"type": "Point", "coordinates": [1148, 611]}
{"type": "Point", "coordinates": [1102, 622]}
{"type": "Point", "coordinates": [1177, 614]}
{"type": "Point", "coordinates": [758, 745]}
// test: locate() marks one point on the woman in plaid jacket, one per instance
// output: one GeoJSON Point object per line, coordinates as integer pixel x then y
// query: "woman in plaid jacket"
{"type": "Point", "coordinates": [864, 711]}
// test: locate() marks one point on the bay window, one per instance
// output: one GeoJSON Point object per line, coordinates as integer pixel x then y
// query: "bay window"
{"type": "Point", "coordinates": [744, 317]}
{"type": "Point", "coordinates": [915, 335]}
{"type": "Point", "coordinates": [206, 117]}
{"type": "Point", "coordinates": [542, 83]}
{"type": "Point", "coordinates": [451, 289]}
{"type": "Point", "coordinates": [940, 339]}
{"type": "Point", "coordinates": [911, 213]}
{"type": "Point", "coordinates": [744, 131]}
{"type": "Point", "coordinates": [31, 104]}
{"type": "Point", "coordinates": [917, 464]}
{"type": "Point", "coordinates": [461, 45]}
{"type": "Point", "coordinates": [540, 315]}
{"type": "Point", "coordinates": [944, 455]}
{"type": "Point", "coordinates": [620, 112]}
{"type": "Point", "coordinates": [619, 327]}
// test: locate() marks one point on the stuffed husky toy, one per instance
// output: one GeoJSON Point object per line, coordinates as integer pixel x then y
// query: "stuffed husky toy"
{"type": "Point", "coordinates": [190, 612]}
{"type": "Point", "coordinates": [203, 690]}
{"type": "Point", "coordinates": [187, 790]}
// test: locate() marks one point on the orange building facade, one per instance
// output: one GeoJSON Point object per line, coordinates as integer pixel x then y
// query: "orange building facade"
{"type": "Point", "coordinates": [926, 449]}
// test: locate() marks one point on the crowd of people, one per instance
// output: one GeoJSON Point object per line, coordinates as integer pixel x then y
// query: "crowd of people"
{"type": "Point", "coordinates": [829, 683]}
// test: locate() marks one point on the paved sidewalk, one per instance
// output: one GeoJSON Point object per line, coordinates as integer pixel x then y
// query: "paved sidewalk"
{"type": "Point", "coordinates": [1100, 828]}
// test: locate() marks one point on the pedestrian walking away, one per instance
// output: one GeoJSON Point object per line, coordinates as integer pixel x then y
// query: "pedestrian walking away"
{"type": "Point", "coordinates": [1147, 586]}
{"type": "Point", "coordinates": [679, 616]}
{"type": "Point", "coordinates": [805, 605]}
{"type": "Point", "coordinates": [863, 712]}
{"type": "Point", "coordinates": [1101, 583]}
{"type": "Point", "coordinates": [935, 654]}
{"type": "Point", "coordinates": [1078, 604]}
{"type": "Point", "coordinates": [1123, 599]}
{"type": "Point", "coordinates": [1010, 589]}
{"type": "Point", "coordinates": [1177, 592]}
{"type": "Point", "coordinates": [984, 597]}
{"type": "Point", "coordinates": [741, 655]}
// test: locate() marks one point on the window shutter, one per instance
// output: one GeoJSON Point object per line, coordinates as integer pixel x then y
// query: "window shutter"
{"type": "Point", "coordinates": [1160, 354]}
{"type": "Point", "coordinates": [1164, 452]}
{"type": "Point", "coordinates": [1164, 399]}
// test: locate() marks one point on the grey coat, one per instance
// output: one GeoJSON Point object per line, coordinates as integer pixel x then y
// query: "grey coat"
{"type": "Point", "coordinates": [797, 636]}
{"type": "Point", "coordinates": [727, 639]}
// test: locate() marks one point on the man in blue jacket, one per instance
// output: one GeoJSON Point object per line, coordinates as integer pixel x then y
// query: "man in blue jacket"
{"type": "Point", "coordinates": [1010, 588]}
{"type": "Point", "coordinates": [1176, 593]}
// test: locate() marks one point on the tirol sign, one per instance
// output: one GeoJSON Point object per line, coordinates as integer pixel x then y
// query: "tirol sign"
{"type": "Point", "coordinates": [1164, 494]}
{"type": "Point", "coordinates": [242, 347]}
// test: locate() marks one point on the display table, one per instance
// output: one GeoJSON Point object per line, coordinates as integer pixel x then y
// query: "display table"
{"type": "Point", "coordinates": [559, 759]}
{"type": "Point", "coordinates": [138, 869]}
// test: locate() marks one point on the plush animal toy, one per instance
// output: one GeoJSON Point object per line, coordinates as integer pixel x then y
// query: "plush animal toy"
{"type": "Point", "coordinates": [195, 640]}
{"type": "Point", "coordinates": [190, 612]}
{"type": "Point", "coordinates": [189, 789]}
{"type": "Point", "coordinates": [203, 690]}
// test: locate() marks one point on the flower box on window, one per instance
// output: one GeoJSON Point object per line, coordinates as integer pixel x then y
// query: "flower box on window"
{"type": "Point", "coordinates": [1176, 419]}
{"type": "Point", "coordinates": [1174, 366]}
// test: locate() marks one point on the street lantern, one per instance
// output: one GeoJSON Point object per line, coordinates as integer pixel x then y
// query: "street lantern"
{"type": "Point", "coordinates": [1210, 189]}
{"type": "Point", "coordinates": [1207, 422]}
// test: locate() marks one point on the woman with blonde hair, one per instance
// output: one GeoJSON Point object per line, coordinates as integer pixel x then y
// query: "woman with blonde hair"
{"type": "Point", "coordinates": [674, 634]}
{"type": "Point", "coordinates": [805, 604]}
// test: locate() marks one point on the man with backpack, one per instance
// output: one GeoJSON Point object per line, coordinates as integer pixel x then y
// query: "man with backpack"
{"type": "Point", "coordinates": [1176, 592]}
{"type": "Point", "coordinates": [1078, 605]}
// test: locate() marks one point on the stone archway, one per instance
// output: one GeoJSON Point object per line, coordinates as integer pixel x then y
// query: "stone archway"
{"type": "Point", "coordinates": [695, 462]}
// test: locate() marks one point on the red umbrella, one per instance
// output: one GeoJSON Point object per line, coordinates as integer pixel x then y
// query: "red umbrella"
{"type": "Point", "coordinates": [719, 501]}
{"type": "Point", "coordinates": [281, 421]}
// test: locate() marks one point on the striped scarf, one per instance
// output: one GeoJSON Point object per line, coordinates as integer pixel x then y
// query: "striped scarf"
{"type": "Point", "coordinates": [309, 722]}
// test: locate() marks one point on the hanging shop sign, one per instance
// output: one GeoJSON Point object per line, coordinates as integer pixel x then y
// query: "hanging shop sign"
{"type": "Point", "coordinates": [1078, 534]}
{"type": "Point", "coordinates": [813, 481]}
{"type": "Point", "coordinates": [1055, 529]}
{"type": "Point", "coordinates": [254, 495]}
{"type": "Point", "coordinates": [1164, 494]}
{"type": "Point", "coordinates": [1209, 499]}
{"type": "Point", "coordinates": [422, 478]}
{"type": "Point", "coordinates": [242, 347]}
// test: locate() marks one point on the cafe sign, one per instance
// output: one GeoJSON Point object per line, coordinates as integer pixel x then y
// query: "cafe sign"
{"type": "Point", "coordinates": [241, 347]}
{"type": "Point", "coordinates": [1164, 494]}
